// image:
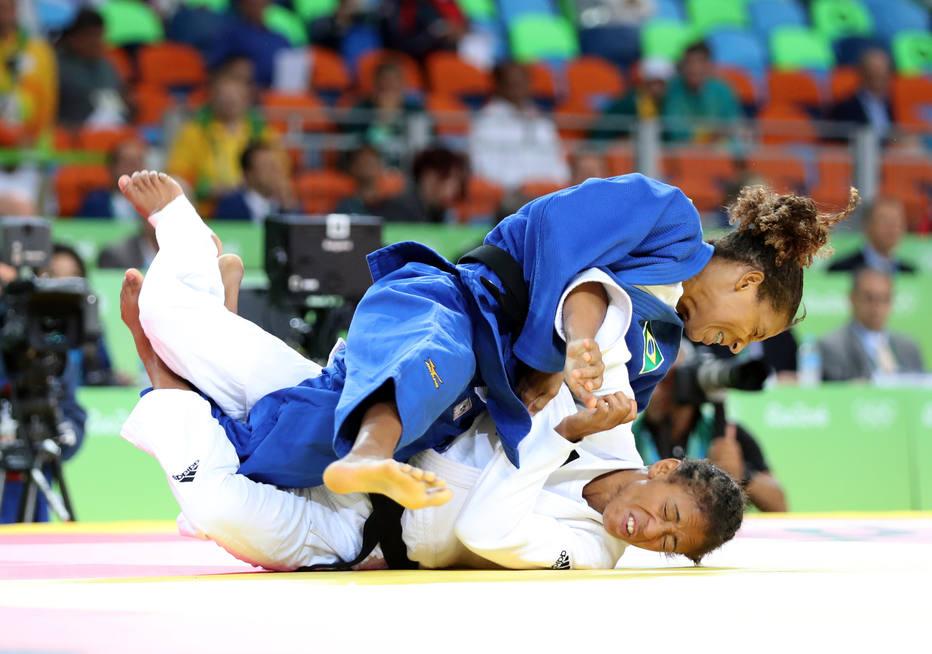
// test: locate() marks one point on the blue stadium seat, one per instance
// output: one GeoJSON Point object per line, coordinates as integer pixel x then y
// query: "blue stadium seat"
{"type": "Point", "coordinates": [54, 15]}
{"type": "Point", "coordinates": [767, 15]}
{"type": "Point", "coordinates": [620, 44]}
{"type": "Point", "coordinates": [511, 9]}
{"type": "Point", "coordinates": [739, 48]}
{"type": "Point", "coordinates": [669, 10]}
{"type": "Point", "coordinates": [892, 16]}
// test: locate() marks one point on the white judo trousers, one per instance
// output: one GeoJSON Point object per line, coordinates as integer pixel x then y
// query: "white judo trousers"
{"type": "Point", "coordinates": [228, 358]}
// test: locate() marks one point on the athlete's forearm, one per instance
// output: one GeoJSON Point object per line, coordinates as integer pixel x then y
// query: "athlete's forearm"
{"type": "Point", "coordinates": [584, 311]}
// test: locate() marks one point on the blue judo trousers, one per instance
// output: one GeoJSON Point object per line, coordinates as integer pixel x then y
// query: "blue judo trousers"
{"type": "Point", "coordinates": [430, 331]}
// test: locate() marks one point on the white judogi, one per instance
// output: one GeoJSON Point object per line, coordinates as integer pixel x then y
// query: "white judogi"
{"type": "Point", "coordinates": [532, 517]}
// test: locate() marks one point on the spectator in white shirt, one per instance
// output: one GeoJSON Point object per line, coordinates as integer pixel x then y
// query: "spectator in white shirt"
{"type": "Point", "coordinates": [511, 142]}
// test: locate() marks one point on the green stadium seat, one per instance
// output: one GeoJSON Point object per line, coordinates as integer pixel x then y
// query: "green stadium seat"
{"type": "Point", "coordinates": [665, 39]}
{"type": "Point", "coordinates": [707, 15]}
{"type": "Point", "coordinates": [309, 10]}
{"type": "Point", "coordinates": [535, 37]}
{"type": "Point", "coordinates": [278, 19]}
{"type": "Point", "coordinates": [835, 19]}
{"type": "Point", "coordinates": [792, 48]}
{"type": "Point", "coordinates": [128, 22]}
{"type": "Point", "coordinates": [481, 10]}
{"type": "Point", "coordinates": [220, 6]}
{"type": "Point", "coordinates": [912, 52]}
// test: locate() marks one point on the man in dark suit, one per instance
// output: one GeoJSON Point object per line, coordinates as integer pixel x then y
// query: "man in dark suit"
{"type": "Point", "coordinates": [125, 158]}
{"type": "Point", "coordinates": [137, 251]}
{"type": "Point", "coordinates": [870, 105]}
{"type": "Point", "coordinates": [266, 188]}
{"type": "Point", "coordinates": [865, 347]}
{"type": "Point", "coordinates": [884, 226]}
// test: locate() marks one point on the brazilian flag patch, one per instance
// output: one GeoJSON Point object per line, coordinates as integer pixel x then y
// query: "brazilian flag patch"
{"type": "Point", "coordinates": [653, 357]}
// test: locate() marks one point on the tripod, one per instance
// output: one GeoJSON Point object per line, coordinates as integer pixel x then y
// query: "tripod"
{"type": "Point", "coordinates": [32, 467]}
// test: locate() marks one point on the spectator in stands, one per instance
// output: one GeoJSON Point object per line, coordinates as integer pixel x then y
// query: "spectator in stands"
{"type": "Point", "coordinates": [90, 89]}
{"type": "Point", "coordinates": [698, 106]}
{"type": "Point", "coordinates": [510, 141]}
{"type": "Point", "coordinates": [870, 104]}
{"type": "Point", "coordinates": [330, 31]}
{"type": "Point", "coordinates": [382, 119]}
{"type": "Point", "coordinates": [247, 36]}
{"type": "Point", "coordinates": [420, 27]}
{"type": "Point", "coordinates": [137, 251]}
{"type": "Point", "coordinates": [643, 102]}
{"type": "Point", "coordinates": [266, 188]}
{"type": "Point", "coordinates": [365, 167]}
{"type": "Point", "coordinates": [865, 346]}
{"type": "Point", "coordinates": [91, 363]}
{"type": "Point", "coordinates": [28, 79]}
{"type": "Point", "coordinates": [884, 227]}
{"type": "Point", "coordinates": [671, 427]}
{"type": "Point", "coordinates": [440, 177]}
{"type": "Point", "coordinates": [125, 158]}
{"type": "Point", "coordinates": [206, 151]}
{"type": "Point", "coordinates": [586, 164]}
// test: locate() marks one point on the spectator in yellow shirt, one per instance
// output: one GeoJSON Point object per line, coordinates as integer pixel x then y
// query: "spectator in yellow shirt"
{"type": "Point", "coordinates": [28, 78]}
{"type": "Point", "coordinates": [206, 151]}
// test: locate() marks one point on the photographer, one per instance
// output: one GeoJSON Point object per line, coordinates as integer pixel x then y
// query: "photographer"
{"type": "Point", "coordinates": [681, 421]}
{"type": "Point", "coordinates": [41, 423]}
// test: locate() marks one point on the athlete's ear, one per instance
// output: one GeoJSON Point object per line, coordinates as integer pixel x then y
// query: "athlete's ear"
{"type": "Point", "coordinates": [663, 468]}
{"type": "Point", "coordinates": [749, 279]}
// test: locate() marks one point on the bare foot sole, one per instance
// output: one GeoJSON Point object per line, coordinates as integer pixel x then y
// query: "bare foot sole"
{"type": "Point", "coordinates": [411, 487]}
{"type": "Point", "coordinates": [149, 191]}
{"type": "Point", "coordinates": [231, 274]}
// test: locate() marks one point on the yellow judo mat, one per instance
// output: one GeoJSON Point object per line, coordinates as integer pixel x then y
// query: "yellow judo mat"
{"type": "Point", "coordinates": [794, 583]}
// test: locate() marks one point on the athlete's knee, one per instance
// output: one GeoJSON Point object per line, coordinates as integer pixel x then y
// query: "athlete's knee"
{"type": "Point", "coordinates": [214, 505]}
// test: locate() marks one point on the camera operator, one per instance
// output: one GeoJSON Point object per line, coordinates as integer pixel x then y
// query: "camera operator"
{"type": "Point", "coordinates": [682, 420]}
{"type": "Point", "coordinates": [46, 454]}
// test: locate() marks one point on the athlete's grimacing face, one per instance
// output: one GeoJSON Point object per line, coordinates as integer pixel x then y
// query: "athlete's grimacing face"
{"type": "Point", "coordinates": [657, 514]}
{"type": "Point", "coordinates": [721, 306]}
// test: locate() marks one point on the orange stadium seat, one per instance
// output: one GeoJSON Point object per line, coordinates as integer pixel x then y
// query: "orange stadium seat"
{"type": "Point", "coordinates": [912, 96]}
{"type": "Point", "coordinates": [593, 76]}
{"type": "Point", "coordinates": [63, 139]}
{"type": "Point", "coordinates": [707, 163]}
{"type": "Point", "coordinates": [365, 72]}
{"type": "Point", "coordinates": [619, 160]}
{"type": "Point", "coordinates": [103, 140]}
{"type": "Point", "coordinates": [573, 118]}
{"type": "Point", "coordinates": [72, 183]}
{"type": "Point", "coordinates": [542, 83]}
{"type": "Point", "coordinates": [121, 62]}
{"type": "Point", "coordinates": [740, 82]}
{"type": "Point", "coordinates": [483, 199]}
{"type": "Point", "coordinates": [450, 115]}
{"type": "Point", "coordinates": [535, 189]}
{"type": "Point", "coordinates": [304, 110]}
{"type": "Point", "coordinates": [844, 83]}
{"type": "Point", "coordinates": [707, 193]}
{"type": "Point", "coordinates": [320, 191]}
{"type": "Point", "coordinates": [794, 88]}
{"type": "Point", "coordinates": [151, 103]}
{"type": "Point", "coordinates": [909, 178]}
{"type": "Point", "coordinates": [835, 177]}
{"type": "Point", "coordinates": [450, 75]}
{"type": "Point", "coordinates": [328, 72]}
{"type": "Point", "coordinates": [785, 124]}
{"type": "Point", "coordinates": [392, 182]}
{"type": "Point", "coordinates": [780, 170]}
{"type": "Point", "coordinates": [171, 65]}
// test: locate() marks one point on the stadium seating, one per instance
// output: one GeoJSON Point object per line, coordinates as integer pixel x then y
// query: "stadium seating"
{"type": "Point", "coordinates": [478, 10]}
{"type": "Point", "coordinates": [794, 87]}
{"type": "Point", "coordinates": [278, 19]}
{"type": "Point", "coordinates": [912, 101]}
{"type": "Point", "coordinates": [665, 39]}
{"type": "Point", "coordinates": [844, 83]}
{"type": "Point", "coordinates": [740, 49]}
{"type": "Point", "coordinates": [72, 183]}
{"type": "Point", "coordinates": [214, 5]}
{"type": "Point", "coordinates": [450, 75]}
{"type": "Point", "coordinates": [54, 15]}
{"type": "Point", "coordinates": [309, 10]}
{"type": "Point", "coordinates": [593, 80]}
{"type": "Point", "coordinates": [742, 84]}
{"type": "Point", "coordinates": [780, 169]}
{"type": "Point", "coordinates": [319, 191]}
{"type": "Point", "coordinates": [121, 62]}
{"type": "Point", "coordinates": [515, 10]}
{"type": "Point", "coordinates": [783, 124]}
{"type": "Point", "coordinates": [835, 19]}
{"type": "Point", "coordinates": [668, 10]}
{"type": "Point", "coordinates": [894, 16]}
{"type": "Point", "coordinates": [369, 62]}
{"type": "Point", "coordinates": [707, 15]}
{"type": "Point", "coordinates": [171, 65]}
{"type": "Point", "coordinates": [792, 48]}
{"type": "Point", "coordinates": [448, 113]}
{"type": "Point", "coordinates": [768, 15]}
{"type": "Point", "coordinates": [329, 75]}
{"type": "Point", "coordinates": [104, 140]}
{"type": "Point", "coordinates": [130, 22]}
{"type": "Point", "coordinates": [482, 201]}
{"type": "Point", "coordinates": [535, 37]}
{"type": "Point", "coordinates": [304, 111]}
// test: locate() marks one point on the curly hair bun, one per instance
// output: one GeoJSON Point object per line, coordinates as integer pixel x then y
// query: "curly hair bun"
{"type": "Point", "coordinates": [790, 224]}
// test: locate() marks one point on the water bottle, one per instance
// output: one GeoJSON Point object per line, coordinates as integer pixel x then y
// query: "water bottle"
{"type": "Point", "coordinates": [809, 363]}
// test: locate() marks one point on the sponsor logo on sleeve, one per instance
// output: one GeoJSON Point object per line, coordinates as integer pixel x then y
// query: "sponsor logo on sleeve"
{"type": "Point", "coordinates": [188, 474]}
{"type": "Point", "coordinates": [434, 375]}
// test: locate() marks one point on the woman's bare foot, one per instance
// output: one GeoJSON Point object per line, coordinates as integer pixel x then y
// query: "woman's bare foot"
{"type": "Point", "coordinates": [411, 487]}
{"type": "Point", "coordinates": [160, 375]}
{"type": "Point", "coordinates": [149, 191]}
{"type": "Point", "coordinates": [231, 274]}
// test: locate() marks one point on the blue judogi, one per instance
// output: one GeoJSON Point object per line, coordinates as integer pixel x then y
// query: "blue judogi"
{"type": "Point", "coordinates": [428, 331]}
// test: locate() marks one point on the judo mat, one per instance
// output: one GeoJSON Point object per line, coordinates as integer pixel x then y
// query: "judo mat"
{"type": "Point", "coordinates": [794, 583]}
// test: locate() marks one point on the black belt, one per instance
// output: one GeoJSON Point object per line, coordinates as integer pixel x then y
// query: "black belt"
{"type": "Point", "coordinates": [513, 300]}
{"type": "Point", "coordinates": [382, 527]}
